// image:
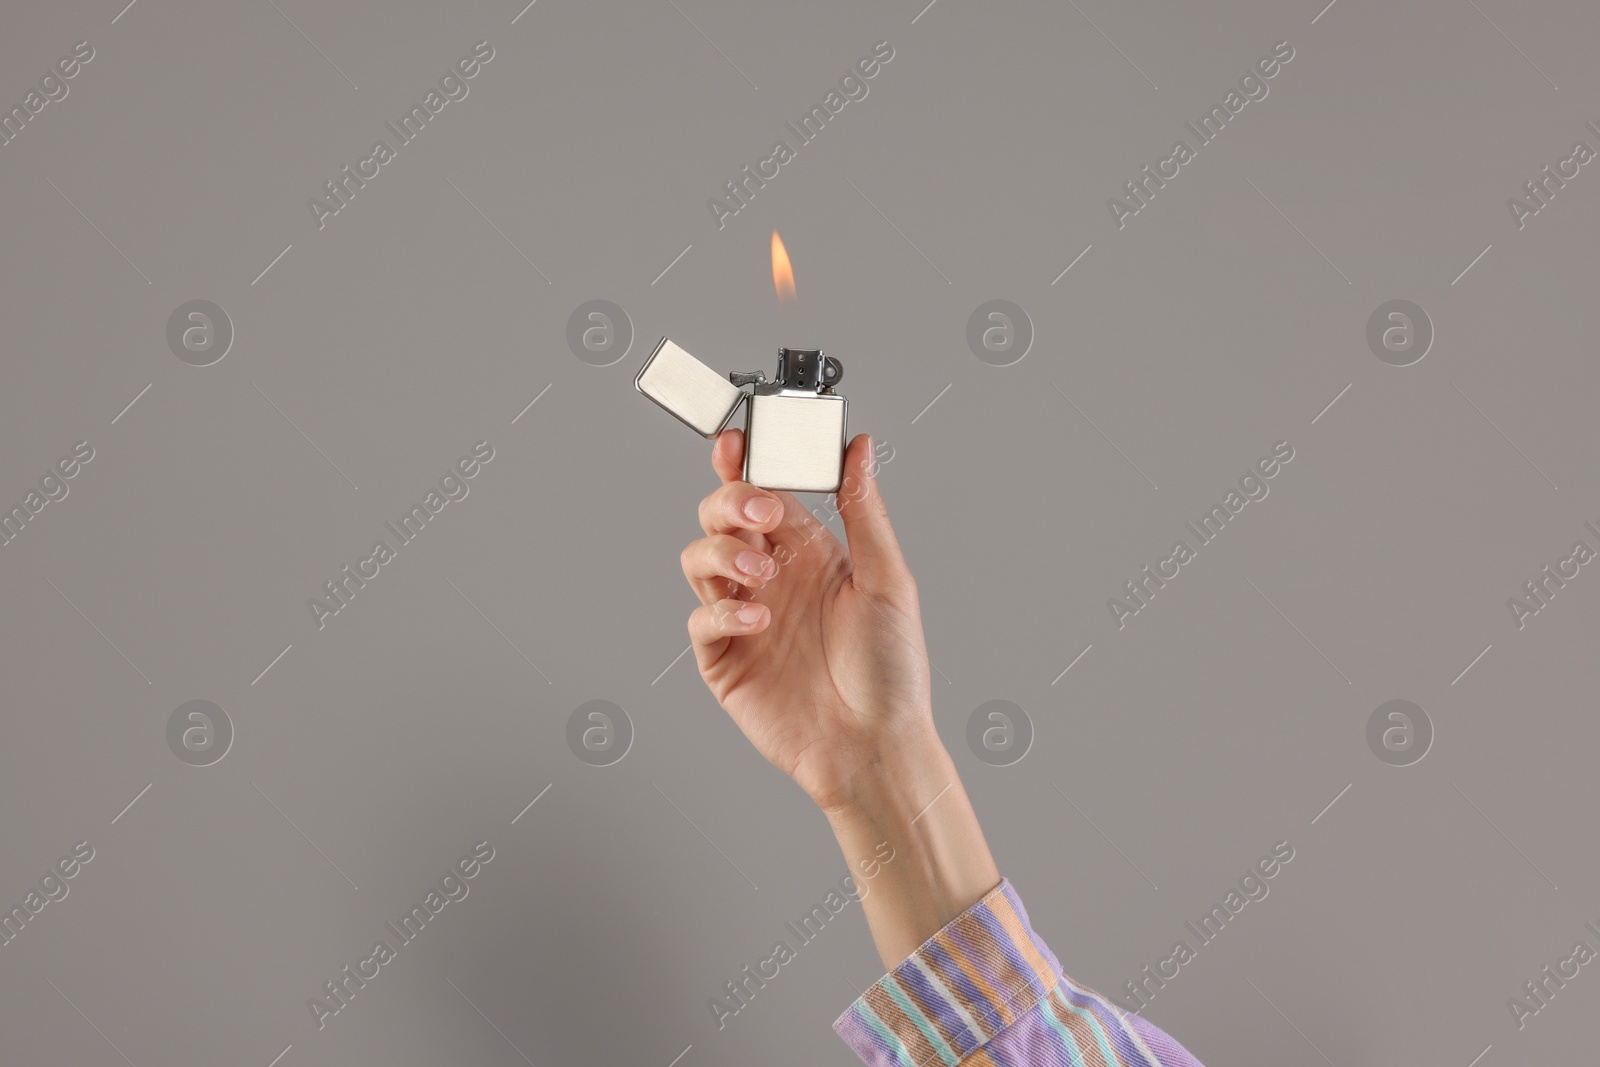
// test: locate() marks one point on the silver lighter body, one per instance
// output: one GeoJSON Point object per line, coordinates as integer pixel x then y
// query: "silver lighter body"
{"type": "Point", "coordinates": [794, 425]}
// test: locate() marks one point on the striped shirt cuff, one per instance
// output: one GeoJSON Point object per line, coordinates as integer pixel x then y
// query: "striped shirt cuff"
{"type": "Point", "coordinates": [980, 973]}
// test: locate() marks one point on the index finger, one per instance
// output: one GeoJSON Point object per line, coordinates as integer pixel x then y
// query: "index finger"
{"type": "Point", "coordinates": [727, 456]}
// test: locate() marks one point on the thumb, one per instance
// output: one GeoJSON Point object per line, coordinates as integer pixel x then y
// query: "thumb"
{"type": "Point", "coordinates": [878, 568]}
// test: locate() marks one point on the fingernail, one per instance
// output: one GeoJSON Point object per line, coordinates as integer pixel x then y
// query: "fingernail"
{"type": "Point", "coordinates": [760, 509]}
{"type": "Point", "coordinates": [750, 614]}
{"type": "Point", "coordinates": [752, 563]}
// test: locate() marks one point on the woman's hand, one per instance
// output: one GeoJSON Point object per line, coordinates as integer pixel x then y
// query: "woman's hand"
{"type": "Point", "coordinates": [816, 651]}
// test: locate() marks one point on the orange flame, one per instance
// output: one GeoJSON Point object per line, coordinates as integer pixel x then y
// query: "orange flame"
{"type": "Point", "coordinates": [782, 272]}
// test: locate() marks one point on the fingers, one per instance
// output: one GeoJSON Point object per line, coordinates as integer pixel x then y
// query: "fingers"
{"type": "Point", "coordinates": [879, 567]}
{"type": "Point", "coordinates": [792, 524]}
{"type": "Point", "coordinates": [740, 506]}
{"type": "Point", "coordinates": [712, 625]}
{"type": "Point", "coordinates": [712, 561]}
{"type": "Point", "coordinates": [727, 456]}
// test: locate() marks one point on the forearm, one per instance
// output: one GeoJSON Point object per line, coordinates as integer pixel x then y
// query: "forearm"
{"type": "Point", "coordinates": [989, 990]}
{"type": "Point", "coordinates": [912, 798]}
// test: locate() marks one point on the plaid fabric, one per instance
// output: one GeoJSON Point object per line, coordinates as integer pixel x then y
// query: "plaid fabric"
{"type": "Point", "coordinates": [985, 991]}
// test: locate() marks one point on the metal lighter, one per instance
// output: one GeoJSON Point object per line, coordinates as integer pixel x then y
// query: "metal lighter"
{"type": "Point", "coordinates": [794, 426]}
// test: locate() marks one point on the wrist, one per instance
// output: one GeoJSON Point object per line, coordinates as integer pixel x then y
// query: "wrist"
{"type": "Point", "coordinates": [904, 822]}
{"type": "Point", "coordinates": [888, 780]}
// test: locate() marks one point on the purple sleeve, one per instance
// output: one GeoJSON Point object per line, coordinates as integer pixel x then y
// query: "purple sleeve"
{"type": "Point", "coordinates": [987, 992]}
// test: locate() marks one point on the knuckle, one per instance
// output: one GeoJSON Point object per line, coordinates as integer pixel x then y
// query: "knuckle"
{"type": "Point", "coordinates": [720, 555]}
{"type": "Point", "coordinates": [722, 507]}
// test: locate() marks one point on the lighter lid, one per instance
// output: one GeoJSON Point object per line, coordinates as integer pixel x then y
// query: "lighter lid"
{"type": "Point", "coordinates": [695, 394]}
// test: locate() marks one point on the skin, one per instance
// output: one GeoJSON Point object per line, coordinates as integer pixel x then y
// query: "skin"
{"type": "Point", "coordinates": [815, 649]}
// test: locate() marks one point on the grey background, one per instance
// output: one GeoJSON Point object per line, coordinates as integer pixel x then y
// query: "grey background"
{"type": "Point", "coordinates": [377, 751]}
